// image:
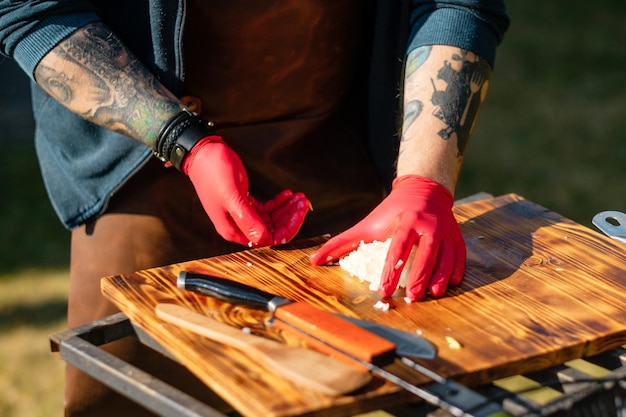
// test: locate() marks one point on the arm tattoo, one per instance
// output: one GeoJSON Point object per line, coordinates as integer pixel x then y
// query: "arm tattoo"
{"type": "Point", "coordinates": [412, 111]}
{"type": "Point", "coordinates": [416, 58]}
{"type": "Point", "coordinates": [95, 76]}
{"type": "Point", "coordinates": [458, 105]}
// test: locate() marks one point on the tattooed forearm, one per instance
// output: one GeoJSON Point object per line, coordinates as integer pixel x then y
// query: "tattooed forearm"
{"type": "Point", "coordinates": [466, 80]}
{"type": "Point", "coordinates": [95, 76]}
{"type": "Point", "coordinates": [443, 89]}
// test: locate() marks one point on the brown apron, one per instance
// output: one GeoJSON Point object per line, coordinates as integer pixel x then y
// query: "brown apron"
{"type": "Point", "coordinates": [285, 81]}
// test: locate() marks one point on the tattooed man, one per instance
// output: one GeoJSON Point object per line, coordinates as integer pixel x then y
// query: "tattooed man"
{"type": "Point", "coordinates": [242, 102]}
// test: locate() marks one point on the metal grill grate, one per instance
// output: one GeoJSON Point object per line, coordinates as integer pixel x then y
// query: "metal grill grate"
{"type": "Point", "coordinates": [593, 387]}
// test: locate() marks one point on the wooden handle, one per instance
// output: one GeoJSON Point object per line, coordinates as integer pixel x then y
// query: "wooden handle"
{"type": "Point", "coordinates": [301, 366]}
{"type": "Point", "coordinates": [333, 335]}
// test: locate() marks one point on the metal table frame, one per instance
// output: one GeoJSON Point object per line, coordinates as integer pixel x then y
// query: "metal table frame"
{"type": "Point", "coordinates": [80, 347]}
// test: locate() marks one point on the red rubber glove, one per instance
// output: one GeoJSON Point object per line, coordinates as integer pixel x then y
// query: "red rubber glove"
{"type": "Point", "coordinates": [418, 211]}
{"type": "Point", "coordinates": [221, 182]}
{"type": "Point", "coordinates": [283, 215]}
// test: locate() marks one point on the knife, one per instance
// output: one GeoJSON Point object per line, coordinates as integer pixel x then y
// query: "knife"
{"type": "Point", "coordinates": [406, 344]}
{"type": "Point", "coordinates": [332, 334]}
{"type": "Point", "coordinates": [320, 329]}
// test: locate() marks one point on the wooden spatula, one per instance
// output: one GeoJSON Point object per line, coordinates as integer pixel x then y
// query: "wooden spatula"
{"type": "Point", "coordinates": [301, 366]}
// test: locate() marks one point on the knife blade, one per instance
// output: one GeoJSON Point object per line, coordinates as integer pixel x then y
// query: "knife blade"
{"type": "Point", "coordinates": [346, 339]}
{"type": "Point", "coordinates": [406, 344]}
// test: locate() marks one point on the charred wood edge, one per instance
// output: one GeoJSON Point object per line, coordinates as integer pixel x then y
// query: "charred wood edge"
{"type": "Point", "coordinates": [80, 348]}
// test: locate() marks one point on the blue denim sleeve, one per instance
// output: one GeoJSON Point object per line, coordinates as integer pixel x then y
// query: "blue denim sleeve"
{"type": "Point", "coordinates": [28, 30]}
{"type": "Point", "coordinates": [473, 25]}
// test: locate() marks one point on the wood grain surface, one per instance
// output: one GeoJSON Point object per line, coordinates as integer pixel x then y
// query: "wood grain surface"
{"type": "Point", "coordinates": [539, 290]}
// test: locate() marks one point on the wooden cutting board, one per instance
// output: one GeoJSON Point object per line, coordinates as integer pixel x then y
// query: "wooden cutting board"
{"type": "Point", "coordinates": [539, 290]}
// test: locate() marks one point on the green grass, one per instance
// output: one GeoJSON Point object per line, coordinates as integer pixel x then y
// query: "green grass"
{"type": "Point", "coordinates": [32, 306]}
{"type": "Point", "coordinates": [553, 130]}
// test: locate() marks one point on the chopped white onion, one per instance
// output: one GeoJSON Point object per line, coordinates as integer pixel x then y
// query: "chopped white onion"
{"type": "Point", "coordinates": [368, 260]}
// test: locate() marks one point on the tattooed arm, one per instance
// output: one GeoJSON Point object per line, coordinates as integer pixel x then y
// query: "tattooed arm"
{"type": "Point", "coordinates": [443, 92]}
{"type": "Point", "coordinates": [94, 75]}
{"type": "Point", "coordinates": [444, 87]}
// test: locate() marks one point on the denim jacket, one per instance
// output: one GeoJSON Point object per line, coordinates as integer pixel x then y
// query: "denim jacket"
{"type": "Point", "coordinates": [83, 165]}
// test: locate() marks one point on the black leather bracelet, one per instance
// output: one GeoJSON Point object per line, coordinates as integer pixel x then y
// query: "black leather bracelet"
{"type": "Point", "coordinates": [179, 135]}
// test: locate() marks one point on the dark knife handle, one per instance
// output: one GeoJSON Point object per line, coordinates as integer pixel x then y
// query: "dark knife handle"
{"type": "Point", "coordinates": [224, 289]}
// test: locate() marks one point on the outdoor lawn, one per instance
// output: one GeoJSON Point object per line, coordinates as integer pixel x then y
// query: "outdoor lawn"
{"type": "Point", "coordinates": [553, 130]}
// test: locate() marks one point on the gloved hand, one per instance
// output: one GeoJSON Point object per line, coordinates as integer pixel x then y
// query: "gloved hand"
{"type": "Point", "coordinates": [221, 183]}
{"type": "Point", "coordinates": [283, 215]}
{"type": "Point", "coordinates": [418, 211]}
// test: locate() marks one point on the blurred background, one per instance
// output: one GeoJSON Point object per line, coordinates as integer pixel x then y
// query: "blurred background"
{"type": "Point", "coordinates": [553, 130]}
